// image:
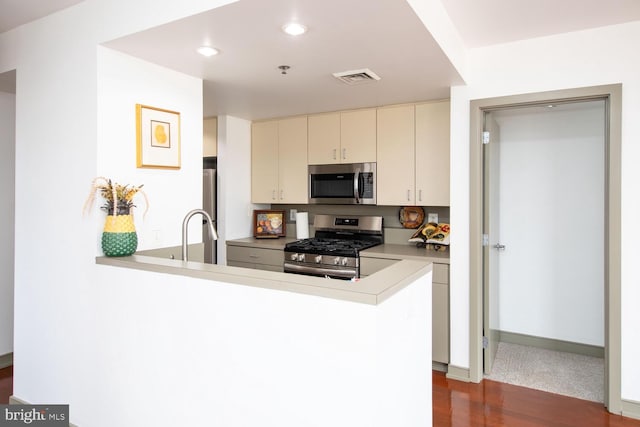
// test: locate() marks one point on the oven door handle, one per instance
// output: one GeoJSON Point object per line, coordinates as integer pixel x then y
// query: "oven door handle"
{"type": "Point", "coordinates": [319, 271]}
{"type": "Point", "coordinates": [356, 186]}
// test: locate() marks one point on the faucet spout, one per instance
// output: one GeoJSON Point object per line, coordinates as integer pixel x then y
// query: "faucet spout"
{"type": "Point", "coordinates": [185, 225]}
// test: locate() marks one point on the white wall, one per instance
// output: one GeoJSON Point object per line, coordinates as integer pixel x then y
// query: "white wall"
{"type": "Point", "coordinates": [57, 350]}
{"type": "Point", "coordinates": [123, 82]}
{"type": "Point", "coordinates": [551, 210]}
{"type": "Point", "coordinates": [235, 209]}
{"type": "Point", "coordinates": [602, 56]}
{"type": "Point", "coordinates": [7, 218]}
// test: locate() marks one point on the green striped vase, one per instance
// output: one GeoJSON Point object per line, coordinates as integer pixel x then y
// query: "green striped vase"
{"type": "Point", "coordinates": [119, 237]}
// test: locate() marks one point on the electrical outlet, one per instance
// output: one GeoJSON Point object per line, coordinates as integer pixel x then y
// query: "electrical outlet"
{"type": "Point", "coordinates": [292, 214]}
{"type": "Point", "coordinates": [432, 217]}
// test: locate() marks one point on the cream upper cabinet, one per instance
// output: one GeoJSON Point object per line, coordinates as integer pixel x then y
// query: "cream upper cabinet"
{"type": "Point", "coordinates": [342, 137]}
{"type": "Point", "coordinates": [292, 152]}
{"type": "Point", "coordinates": [396, 155]}
{"type": "Point", "coordinates": [264, 162]}
{"type": "Point", "coordinates": [210, 137]}
{"type": "Point", "coordinates": [279, 161]}
{"type": "Point", "coordinates": [413, 154]}
{"type": "Point", "coordinates": [432, 154]}
{"type": "Point", "coordinates": [324, 138]}
{"type": "Point", "coordinates": [358, 136]}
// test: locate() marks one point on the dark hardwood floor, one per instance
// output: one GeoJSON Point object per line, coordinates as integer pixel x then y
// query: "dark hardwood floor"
{"type": "Point", "coordinates": [6, 384]}
{"type": "Point", "coordinates": [489, 403]}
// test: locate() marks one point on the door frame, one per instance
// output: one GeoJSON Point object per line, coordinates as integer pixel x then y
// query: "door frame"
{"type": "Point", "coordinates": [612, 94]}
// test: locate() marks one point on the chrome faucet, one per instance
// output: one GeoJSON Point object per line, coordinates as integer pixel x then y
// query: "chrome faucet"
{"type": "Point", "coordinates": [185, 225]}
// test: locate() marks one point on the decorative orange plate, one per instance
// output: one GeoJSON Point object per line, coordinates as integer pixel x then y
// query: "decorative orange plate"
{"type": "Point", "coordinates": [411, 216]}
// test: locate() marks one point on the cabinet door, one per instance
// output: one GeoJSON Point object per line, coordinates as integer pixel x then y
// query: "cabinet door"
{"type": "Point", "coordinates": [432, 154]}
{"type": "Point", "coordinates": [324, 139]}
{"type": "Point", "coordinates": [396, 155]}
{"type": "Point", "coordinates": [264, 162]}
{"type": "Point", "coordinates": [210, 137]}
{"type": "Point", "coordinates": [358, 136]}
{"type": "Point", "coordinates": [440, 319]}
{"type": "Point", "coordinates": [293, 160]}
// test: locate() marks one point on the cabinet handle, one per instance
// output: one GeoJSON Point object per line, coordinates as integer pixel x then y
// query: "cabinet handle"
{"type": "Point", "coordinates": [281, 194]}
{"type": "Point", "coordinates": [408, 195]}
{"type": "Point", "coordinates": [273, 194]}
{"type": "Point", "coordinates": [334, 153]}
{"type": "Point", "coordinates": [420, 195]}
{"type": "Point", "coordinates": [344, 154]}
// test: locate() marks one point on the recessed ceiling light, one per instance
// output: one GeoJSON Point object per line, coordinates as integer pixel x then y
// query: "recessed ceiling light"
{"type": "Point", "coordinates": [208, 51]}
{"type": "Point", "coordinates": [294, 29]}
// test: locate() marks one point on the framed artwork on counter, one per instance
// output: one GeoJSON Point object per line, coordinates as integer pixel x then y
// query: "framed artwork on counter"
{"type": "Point", "coordinates": [269, 224]}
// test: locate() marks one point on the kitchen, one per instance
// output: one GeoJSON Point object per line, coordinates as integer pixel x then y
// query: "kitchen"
{"type": "Point", "coordinates": [82, 103]}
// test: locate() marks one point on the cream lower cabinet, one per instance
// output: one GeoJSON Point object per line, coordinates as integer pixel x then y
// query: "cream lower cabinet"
{"type": "Point", "coordinates": [279, 161]}
{"type": "Point", "coordinates": [440, 303]}
{"type": "Point", "coordinates": [413, 154]}
{"type": "Point", "coordinates": [342, 137]}
{"type": "Point", "coordinates": [256, 258]}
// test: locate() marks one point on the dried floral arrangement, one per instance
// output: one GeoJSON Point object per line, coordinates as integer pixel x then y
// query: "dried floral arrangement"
{"type": "Point", "coordinates": [118, 198]}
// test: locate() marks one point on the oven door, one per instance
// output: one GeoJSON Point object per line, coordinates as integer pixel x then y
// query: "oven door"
{"type": "Point", "coordinates": [345, 273]}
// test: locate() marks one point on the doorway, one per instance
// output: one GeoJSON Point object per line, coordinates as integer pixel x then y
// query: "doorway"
{"type": "Point", "coordinates": [610, 96]}
{"type": "Point", "coordinates": [7, 215]}
{"type": "Point", "coordinates": [544, 261]}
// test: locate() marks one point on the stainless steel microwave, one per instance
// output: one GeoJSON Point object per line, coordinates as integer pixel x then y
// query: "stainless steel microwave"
{"type": "Point", "coordinates": [343, 184]}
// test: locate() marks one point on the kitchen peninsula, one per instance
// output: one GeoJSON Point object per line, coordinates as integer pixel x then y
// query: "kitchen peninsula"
{"type": "Point", "coordinates": [274, 349]}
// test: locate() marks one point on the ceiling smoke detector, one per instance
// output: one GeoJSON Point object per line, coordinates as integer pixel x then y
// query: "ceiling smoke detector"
{"type": "Point", "coordinates": [355, 77]}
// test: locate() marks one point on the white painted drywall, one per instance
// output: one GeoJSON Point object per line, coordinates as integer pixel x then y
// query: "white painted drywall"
{"type": "Point", "coordinates": [606, 55]}
{"type": "Point", "coordinates": [123, 82]}
{"type": "Point", "coordinates": [255, 357]}
{"type": "Point", "coordinates": [7, 218]}
{"type": "Point", "coordinates": [58, 351]}
{"type": "Point", "coordinates": [551, 210]}
{"type": "Point", "coordinates": [234, 182]}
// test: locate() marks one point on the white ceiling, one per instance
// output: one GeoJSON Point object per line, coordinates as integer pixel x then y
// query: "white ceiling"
{"type": "Point", "coordinates": [383, 35]}
{"type": "Point", "coordinates": [17, 12]}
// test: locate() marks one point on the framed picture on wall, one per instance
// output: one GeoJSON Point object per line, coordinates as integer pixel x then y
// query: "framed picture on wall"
{"type": "Point", "coordinates": [268, 224]}
{"type": "Point", "coordinates": [158, 138]}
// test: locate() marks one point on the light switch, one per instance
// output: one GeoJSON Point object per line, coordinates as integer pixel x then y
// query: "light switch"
{"type": "Point", "coordinates": [292, 214]}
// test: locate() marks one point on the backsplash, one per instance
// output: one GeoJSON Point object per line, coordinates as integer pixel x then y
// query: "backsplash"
{"type": "Point", "coordinates": [393, 230]}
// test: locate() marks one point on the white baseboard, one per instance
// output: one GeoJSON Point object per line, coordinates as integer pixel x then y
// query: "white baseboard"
{"type": "Point", "coordinates": [458, 374]}
{"type": "Point", "coordinates": [17, 401]}
{"type": "Point", "coordinates": [631, 409]}
{"type": "Point", "coordinates": [6, 360]}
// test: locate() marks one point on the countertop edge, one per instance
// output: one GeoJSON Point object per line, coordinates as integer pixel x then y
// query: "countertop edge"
{"type": "Point", "coordinates": [371, 290]}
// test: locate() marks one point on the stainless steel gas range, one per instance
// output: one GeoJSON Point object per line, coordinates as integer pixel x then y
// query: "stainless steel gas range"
{"type": "Point", "coordinates": [335, 250]}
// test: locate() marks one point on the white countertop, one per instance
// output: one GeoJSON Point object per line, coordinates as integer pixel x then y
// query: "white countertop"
{"type": "Point", "coordinates": [372, 290]}
{"type": "Point", "coordinates": [391, 251]}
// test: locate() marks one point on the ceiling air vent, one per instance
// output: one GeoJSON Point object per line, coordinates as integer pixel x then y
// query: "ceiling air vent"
{"type": "Point", "coordinates": [356, 77]}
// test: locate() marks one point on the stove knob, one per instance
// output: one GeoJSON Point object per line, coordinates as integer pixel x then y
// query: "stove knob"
{"type": "Point", "coordinates": [294, 257]}
{"type": "Point", "coordinates": [336, 260]}
{"type": "Point", "coordinates": [344, 261]}
{"type": "Point", "coordinates": [301, 258]}
{"type": "Point", "coordinates": [318, 259]}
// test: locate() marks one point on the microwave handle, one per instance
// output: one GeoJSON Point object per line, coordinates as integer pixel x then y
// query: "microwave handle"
{"type": "Point", "coordinates": [356, 186]}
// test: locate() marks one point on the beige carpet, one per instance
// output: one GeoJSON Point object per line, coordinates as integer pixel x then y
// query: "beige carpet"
{"type": "Point", "coordinates": [553, 371]}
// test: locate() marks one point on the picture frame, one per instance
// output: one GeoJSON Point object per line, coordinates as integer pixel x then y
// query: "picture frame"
{"type": "Point", "coordinates": [269, 224]}
{"type": "Point", "coordinates": [157, 138]}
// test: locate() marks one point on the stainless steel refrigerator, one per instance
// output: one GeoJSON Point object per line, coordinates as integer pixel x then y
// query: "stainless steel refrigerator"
{"type": "Point", "coordinates": [209, 205]}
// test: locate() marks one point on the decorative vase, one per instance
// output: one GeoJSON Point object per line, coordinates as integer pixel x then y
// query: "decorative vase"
{"type": "Point", "coordinates": [119, 237]}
